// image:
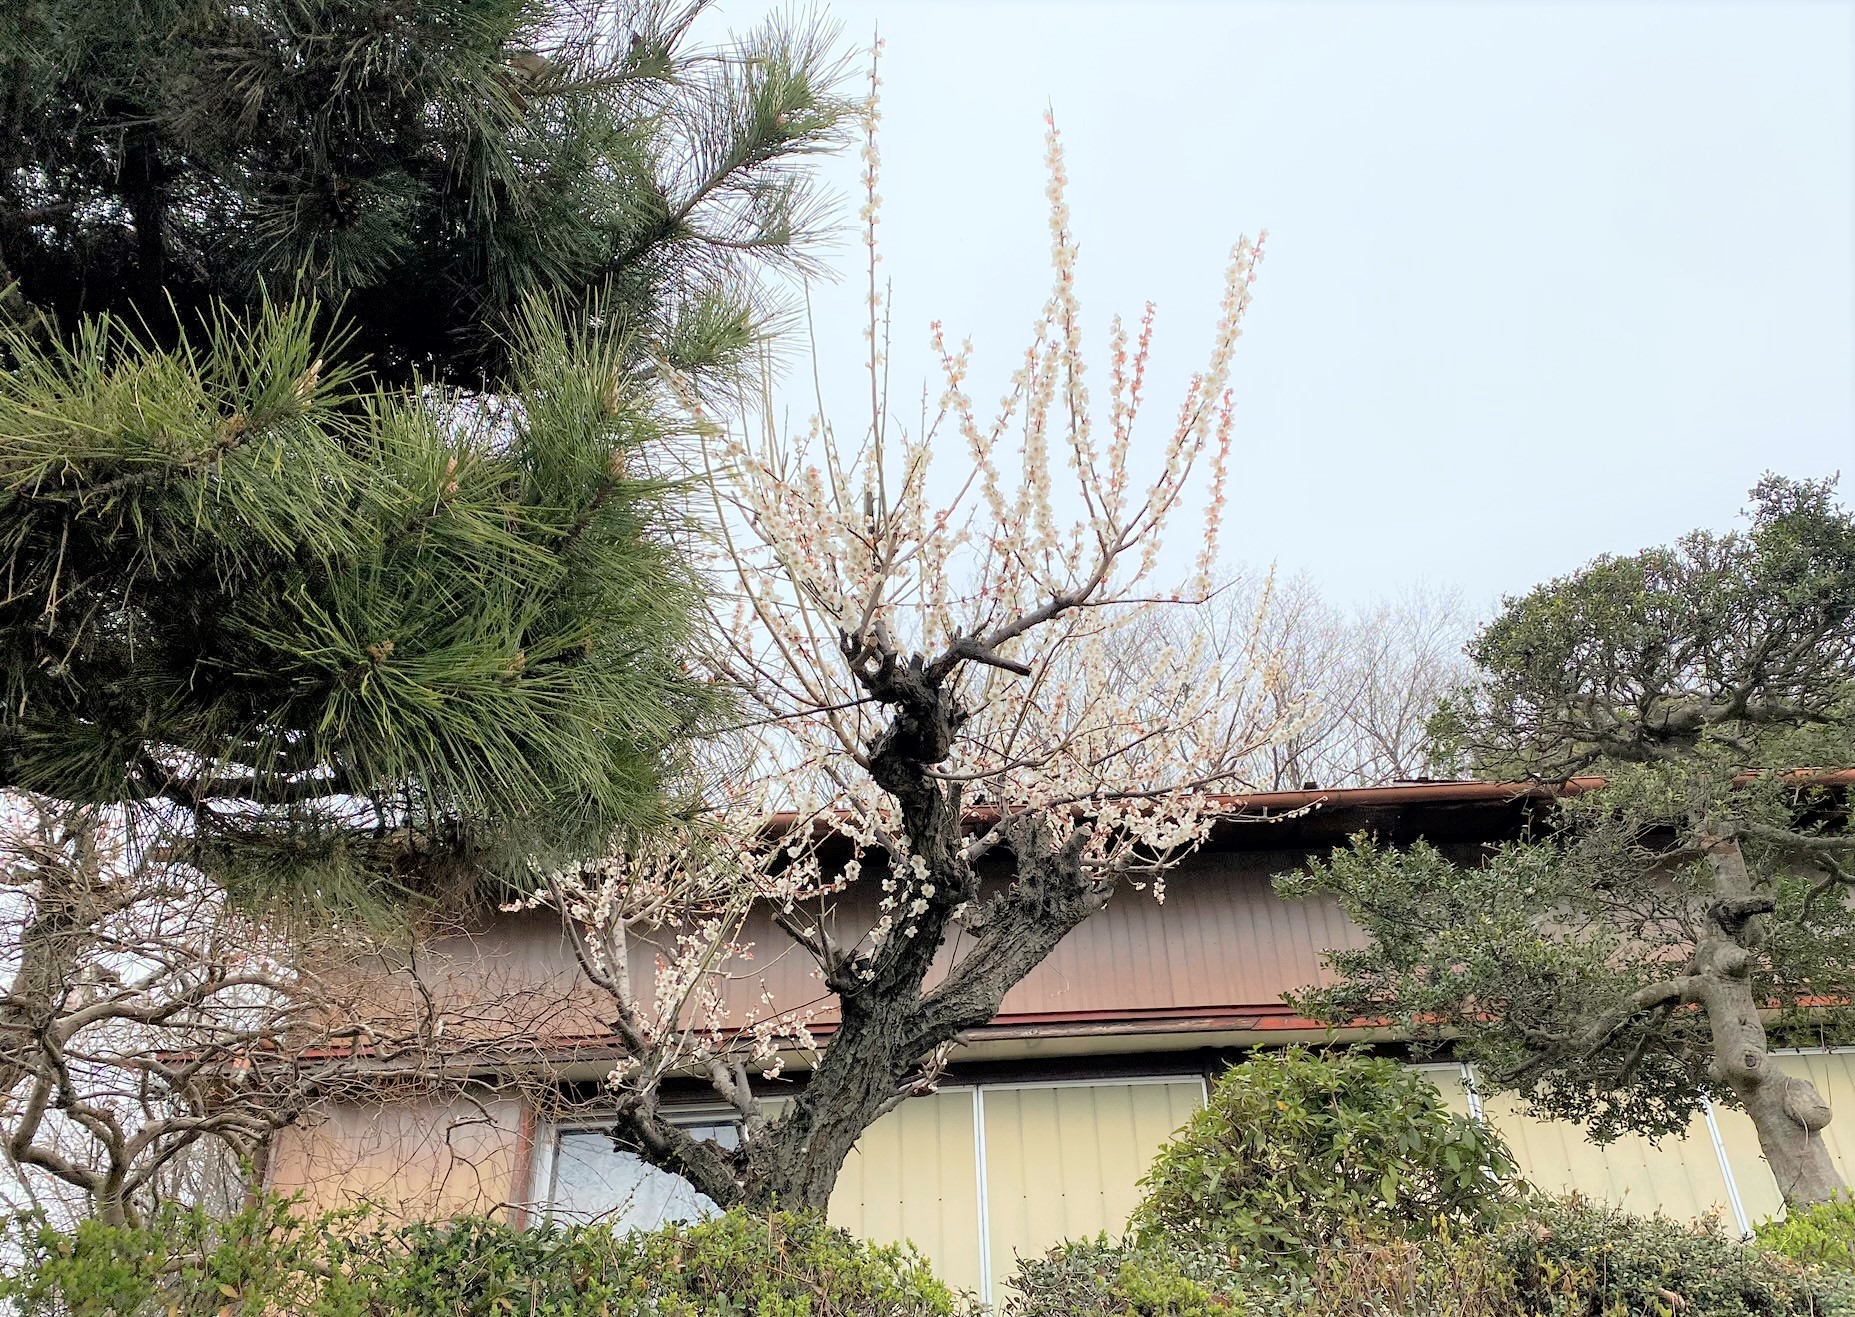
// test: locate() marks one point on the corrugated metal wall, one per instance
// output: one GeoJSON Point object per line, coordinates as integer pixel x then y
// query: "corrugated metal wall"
{"type": "Point", "coordinates": [915, 1176]}
{"type": "Point", "coordinates": [1221, 942]}
{"type": "Point", "coordinates": [979, 1177]}
{"type": "Point", "coordinates": [1681, 1177]}
{"type": "Point", "coordinates": [1063, 1162]}
{"type": "Point", "coordinates": [1833, 1073]}
{"type": "Point", "coordinates": [1714, 1167]}
{"type": "Point", "coordinates": [416, 1158]}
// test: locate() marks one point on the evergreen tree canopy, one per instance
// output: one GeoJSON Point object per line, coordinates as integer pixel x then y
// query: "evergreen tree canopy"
{"type": "Point", "coordinates": [1614, 969]}
{"type": "Point", "coordinates": [340, 389]}
{"type": "Point", "coordinates": [421, 165]}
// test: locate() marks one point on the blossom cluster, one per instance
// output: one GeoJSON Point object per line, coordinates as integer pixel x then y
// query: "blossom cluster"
{"type": "Point", "coordinates": [1034, 592]}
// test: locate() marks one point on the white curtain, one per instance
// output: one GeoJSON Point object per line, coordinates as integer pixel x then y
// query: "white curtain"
{"type": "Point", "coordinates": [595, 1181]}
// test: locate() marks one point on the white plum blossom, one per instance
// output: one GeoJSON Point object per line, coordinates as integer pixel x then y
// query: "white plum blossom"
{"type": "Point", "coordinates": [1029, 592]}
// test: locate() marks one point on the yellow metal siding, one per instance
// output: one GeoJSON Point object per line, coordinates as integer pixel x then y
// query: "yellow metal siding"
{"type": "Point", "coordinates": [914, 1175]}
{"type": "Point", "coordinates": [1833, 1073]}
{"type": "Point", "coordinates": [1680, 1177]}
{"type": "Point", "coordinates": [1758, 1191]}
{"type": "Point", "coordinates": [1063, 1162]}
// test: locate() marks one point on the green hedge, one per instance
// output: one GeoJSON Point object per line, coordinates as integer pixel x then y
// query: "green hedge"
{"type": "Point", "coordinates": [1295, 1149]}
{"type": "Point", "coordinates": [1099, 1278]}
{"type": "Point", "coordinates": [265, 1263]}
{"type": "Point", "coordinates": [1547, 1258]}
{"type": "Point", "coordinates": [1555, 1258]}
{"type": "Point", "coordinates": [1571, 1256]}
{"type": "Point", "coordinates": [1823, 1236]}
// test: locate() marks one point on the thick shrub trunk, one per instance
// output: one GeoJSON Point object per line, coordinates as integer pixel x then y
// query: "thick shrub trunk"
{"type": "Point", "coordinates": [1788, 1112]}
{"type": "Point", "coordinates": [796, 1161]}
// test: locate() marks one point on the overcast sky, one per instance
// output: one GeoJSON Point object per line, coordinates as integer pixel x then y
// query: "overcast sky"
{"type": "Point", "coordinates": [1542, 281]}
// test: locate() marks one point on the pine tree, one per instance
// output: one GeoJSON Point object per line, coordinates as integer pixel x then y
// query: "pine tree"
{"type": "Point", "coordinates": [345, 348]}
{"type": "Point", "coordinates": [422, 165]}
{"type": "Point", "coordinates": [1615, 969]}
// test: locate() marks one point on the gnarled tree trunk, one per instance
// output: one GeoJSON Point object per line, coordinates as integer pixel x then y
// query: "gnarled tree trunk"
{"type": "Point", "coordinates": [1788, 1112]}
{"type": "Point", "coordinates": [890, 1022]}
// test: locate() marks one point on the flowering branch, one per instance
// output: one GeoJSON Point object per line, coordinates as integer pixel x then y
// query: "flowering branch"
{"type": "Point", "coordinates": [932, 684]}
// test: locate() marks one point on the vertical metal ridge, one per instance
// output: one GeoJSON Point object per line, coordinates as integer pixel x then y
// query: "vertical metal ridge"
{"type": "Point", "coordinates": [1473, 1094]}
{"type": "Point", "coordinates": [985, 1207]}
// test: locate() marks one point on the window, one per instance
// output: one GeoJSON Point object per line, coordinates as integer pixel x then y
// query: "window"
{"type": "Point", "coordinates": [592, 1179]}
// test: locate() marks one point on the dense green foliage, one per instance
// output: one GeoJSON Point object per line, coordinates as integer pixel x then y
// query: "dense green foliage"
{"type": "Point", "coordinates": [1541, 1258]}
{"type": "Point", "coordinates": [425, 165]}
{"type": "Point", "coordinates": [1572, 1256]}
{"type": "Point", "coordinates": [1603, 965]}
{"type": "Point", "coordinates": [1296, 1148]}
{"type": "Point", "coordinates": [1822, 1235]}
{"type": "Point", "coordinates": [247, 586]}
{"type": "Point", "coordinates": [1548, 1258]}
{"type": "Point", "coordinates": [1466, 947]}
{"type": "Point", "coordinates": [349, 352]}
{"type": "Point", "coordinates": [1103, 1278]}
{"type": "Point", "coordinates": [1726, 651]}
{"type": "Point", "coordinates": [263, 1262]}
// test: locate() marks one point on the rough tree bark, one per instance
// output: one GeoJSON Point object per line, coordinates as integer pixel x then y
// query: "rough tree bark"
{"type": "Point", "coordinates": [890, 1021]}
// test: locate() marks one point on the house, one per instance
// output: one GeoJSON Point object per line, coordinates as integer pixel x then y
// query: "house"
{"type": "Point", "coordinates": [1050, 1114]}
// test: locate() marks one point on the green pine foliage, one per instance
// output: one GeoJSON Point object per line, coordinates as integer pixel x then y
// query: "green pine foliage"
{"type": "Point", "coordinates": [346, 352]}
{"type": "Point", "coordinates": [337, 623]}
{"type": "Point", "coordinates": [423, 166]}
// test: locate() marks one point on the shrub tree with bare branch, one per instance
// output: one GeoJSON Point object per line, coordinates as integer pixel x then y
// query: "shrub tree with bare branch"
{"type": "Point", "coordinates": [1360, 686]}
{"type": "Point", "coordinates": [153, 1036]}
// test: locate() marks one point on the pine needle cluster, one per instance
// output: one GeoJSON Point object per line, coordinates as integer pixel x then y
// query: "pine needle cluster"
{"type": "Point", "coordinates": [345, 353]}
{"type": "Point", "coordinates": [422, 166]}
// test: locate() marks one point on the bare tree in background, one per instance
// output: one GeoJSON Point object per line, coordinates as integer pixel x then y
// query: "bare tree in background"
{"type": "Point", "coordinates": [153, 1038]}
{"type": "Point", "coordinates": [1357, 688]}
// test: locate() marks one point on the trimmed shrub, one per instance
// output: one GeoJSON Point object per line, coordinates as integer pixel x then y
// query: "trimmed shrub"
{"type": "Point", "coordinates": [1570, 1257]}
{"type": "Point", "coordinates": [1564, 1257]}
{"type": "Point", "coordinates": [259, 1261]}
{"type": "Point", "coordinates": [1296, 1149]}
{"type": "Point", "coordinates": [1821, 1236]}
{"type": "Point", "coordinates": [266, 1263]}
{"type": "Point", "coordinates": [1560, 1258]}
{"type": "Point", "coordinates": [1100, 1278]}
{"type": "Point", "coordinates": [1376, 1277]}
{"type": "Point", "coordinates": [732, 1265]}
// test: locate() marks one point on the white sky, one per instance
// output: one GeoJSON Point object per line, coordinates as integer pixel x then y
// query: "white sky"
{"type": "Point", "coordinates": [1543, 281]}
